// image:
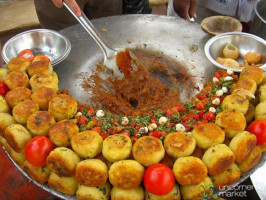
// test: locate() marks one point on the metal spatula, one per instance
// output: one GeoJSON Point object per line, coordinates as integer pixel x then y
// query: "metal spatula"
{"type": "Point", "coordinates": [110, 54]}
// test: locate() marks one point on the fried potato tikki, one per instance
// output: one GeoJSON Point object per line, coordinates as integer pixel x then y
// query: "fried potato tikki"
{"type": "Point", "coordinates": [148, 150]}
{"type": "Point", "coordinates": [218, 159]}
{"type": "Point", "coordinates": [126, 174]}
{"type": "Point", "coordinates": [179, 144]}
{"type": "Point", "coordinates": [189, 170]}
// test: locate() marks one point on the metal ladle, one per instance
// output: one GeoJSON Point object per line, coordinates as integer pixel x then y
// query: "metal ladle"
{"type": "Point", "coordinates": [110, 53]}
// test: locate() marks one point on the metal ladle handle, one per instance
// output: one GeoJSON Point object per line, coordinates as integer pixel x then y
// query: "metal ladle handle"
{"type": "Point", "coordinates": [87, 25]}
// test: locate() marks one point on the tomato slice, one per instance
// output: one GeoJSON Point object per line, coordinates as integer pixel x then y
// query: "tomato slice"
{"type": "Point", "coordinates": [126, 133]}
{"type": "Point", "coordinates": [158, 134]}
{"type": "Point", "coordinates": [111, 131]}
{"type": "Point", "coordinates": [210, 116]}
{"type": "Point", "coordinates": [200, 105]}
{"type": "Point", "coordinates": [82, 120]}
{"type": "Point", "coordinates": [3, 89]}
{"type": "Point", "coordinates": [40, 57]}
{"type": "Point", "coordinates": [97, 129]}
{"type": "Point", "coordinates": [217, 75]}
{"type": "Point", "coordinates": [159, 179]}
{"type": "Point", "coordinates": [133, 139]}
{"type": "Point", "coordinates": [152, 120]}
{"type": "Point", "coordinates": [26, 53]}
{"type": "Point", "coordinates": [258, 128]}
{"type": "Point", "coordinates": [155, 134]}
{"type": "Point", "coordinates": [37, 150]}
{"type": "Point", "coordinates": [202, 95]}
{"type": "Point", "coordinates": [104, 135]}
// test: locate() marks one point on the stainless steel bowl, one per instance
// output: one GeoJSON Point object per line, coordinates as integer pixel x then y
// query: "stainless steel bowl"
{"type": "Point", "coordinates": [258, 23]}
{"type": "Point", "coordinates": [243, 41]}
{"type": "Point", "coordinates": [41, 41]}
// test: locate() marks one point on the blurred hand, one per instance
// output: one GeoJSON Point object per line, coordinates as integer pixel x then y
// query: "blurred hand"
{"type": "Point", "coordinates": [185, 8]}
{"type": "Point", "coordinates": [72, 3]}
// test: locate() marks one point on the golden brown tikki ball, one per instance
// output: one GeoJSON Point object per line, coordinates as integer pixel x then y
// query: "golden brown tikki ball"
{"type": "Point", "coordinates": [91, 172]}
{"type": "Point", "coordinates": [189, 170]}
{"type": "Point", "coordinates": [262, 93]}
{"type": "Point", "coordinates": [18, 64]}
{"type": "Point", "coordinates": [250, 114]}
{"type": "Point", "coordinates": [3, 105]}
{"type": "Point", "coordinates": [42, 96]}
{"type": "Point", "coordinates": [252, 72]}
{"type": "Point", "coordinates": [231, 51]}
{"type": "Point", "coordinates": [23, 110]}
{"type": "Point", "coordinates": [197, 191]}
{"type": "Point", "coordinates": [208, 135]}
{"type": "Point", "coordinates": [40, 80]}
{"type": "Point", "coordinates": [39, 174]}
{"type": "Point", "coordinates": [42, 66]}
{"type": "Point", "coordinates": [245, 84]}
{"type": "Point", "coordinates": [148, 150]}
{"type": "Point", "coordinates": [252, 57]}
{"type": "Point", "coordinates": [62, 161]}
{"type": "Point", "coordinates": [87, 144]}
{"type": "Point", "coordinates": [133, 194]}
{"type": "Point", "coordinates": [260, 111]}
{"type": "Point", "coordinates": [242, 145]}
{"type": "Point", "coordinates": [94, 193]}
{"type": "Point", "coordinates": [13, 97]}
{"type": "Point", "coordinates": [5, 121]}
{"type": "Point", "coordinates": [63, 107]}
{"type": "Point", "coordinates": [235, 102]}
{"type": "Point", "coordinates": [251, 161]}
{"type": "Point", "coordinates": [3, 73]}
{"type": "Point", "coordinates": [179, 144]}
{"type": "Point", "coordinates": [67, 185]}
{"type": "Point", "coordinates": [19, 158]}
{"type": "Point", "coordinates": [17, 137]}
{"type": "Point", "coordinates": [61, 132]}
{"type": "Point", "coordinates": [40, 122]}
{"type": "Point", "coordinates": [231, 122]}
{"type": "Point", "coordinates": [218, 159]}
{"type": "Point", "coordinates": [226, 178]}
{"type": "Point", "coordinates": [116, 147]}
{"type": "Point", "coordinates": [173, 195]}
{"type": "Point", "coordinates": [126, 174]}
{"type": "Point", "coordinates": [55, 77]}
{"type": "Point", "coordinates": [17, 79]}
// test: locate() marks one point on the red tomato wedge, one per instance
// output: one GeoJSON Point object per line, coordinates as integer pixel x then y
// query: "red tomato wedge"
{"type": "Point", "coordinates": [258, 128]}
{"type": "Point", "coordinates": [3, 89]}
{"type": "Point", "coordinates": [26, 53]}
{"type": "Point", "coordinates": [37, 150]}
{"type": "Point", "coordinates": [41, 57]}
{"type": "Point", "coordinates": [159, 179]}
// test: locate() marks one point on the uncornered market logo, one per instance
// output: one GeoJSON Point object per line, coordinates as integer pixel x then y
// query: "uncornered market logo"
{"type": "Point", "coordinates": [209, 192]}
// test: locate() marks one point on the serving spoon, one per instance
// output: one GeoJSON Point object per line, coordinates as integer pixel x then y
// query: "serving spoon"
{"type": "Point", "coordinates": [120, 61]}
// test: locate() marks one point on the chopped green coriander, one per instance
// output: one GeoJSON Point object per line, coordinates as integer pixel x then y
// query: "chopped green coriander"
{"type": "Point", "coordinates": [82, 127]}
{"type": "Point", "coordinates": [189, 105]}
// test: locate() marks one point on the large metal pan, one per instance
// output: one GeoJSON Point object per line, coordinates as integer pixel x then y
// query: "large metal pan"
{"type": "Point", "coordinates": [170, 35]}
